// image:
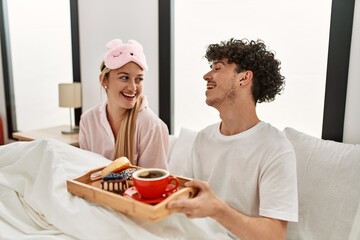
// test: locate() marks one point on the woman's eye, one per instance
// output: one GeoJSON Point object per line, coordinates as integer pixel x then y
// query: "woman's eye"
{"type": "Point", "coordinates": [124, 77]}
{"type": "Point", "coordinates": [139, 80]}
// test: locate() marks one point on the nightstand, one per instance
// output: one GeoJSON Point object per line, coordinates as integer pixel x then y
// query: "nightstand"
{"type": "Point", "coordinates": [52, 132]}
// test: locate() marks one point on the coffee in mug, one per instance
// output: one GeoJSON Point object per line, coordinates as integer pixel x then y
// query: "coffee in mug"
{"type": "Point", "coordinates": [154, 183]}
{"type": "Point", "coordinates": [151, 174]}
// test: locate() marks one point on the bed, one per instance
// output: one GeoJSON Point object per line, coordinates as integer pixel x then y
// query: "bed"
{"type": "Point", "coordinates": [35, 203]}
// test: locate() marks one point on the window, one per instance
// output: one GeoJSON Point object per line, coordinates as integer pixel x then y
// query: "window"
{"type": "Point", "coordinates": [298, 31]}
{"type": "Point", "coordinates": [39, 57]}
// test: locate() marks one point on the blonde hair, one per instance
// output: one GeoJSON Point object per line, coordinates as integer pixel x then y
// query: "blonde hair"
{"type": "Point", "coordinates": [125, 139]}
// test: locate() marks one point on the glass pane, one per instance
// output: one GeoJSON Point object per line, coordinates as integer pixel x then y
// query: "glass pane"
{"type": "Point", "coordinates": [40, 37]}
{"type": "Point", "coordinates": [298, 31]}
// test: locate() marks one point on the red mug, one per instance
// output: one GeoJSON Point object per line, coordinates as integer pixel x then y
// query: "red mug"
{"type": "Point", "coordinates": [153, 183]}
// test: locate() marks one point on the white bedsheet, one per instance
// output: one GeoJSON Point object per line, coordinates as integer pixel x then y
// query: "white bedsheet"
{"type": "Point", "coordinates": [35, 203]}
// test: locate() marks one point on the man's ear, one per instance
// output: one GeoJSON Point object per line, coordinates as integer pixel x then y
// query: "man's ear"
{"type": "Point", "coordinates": [247, 77]}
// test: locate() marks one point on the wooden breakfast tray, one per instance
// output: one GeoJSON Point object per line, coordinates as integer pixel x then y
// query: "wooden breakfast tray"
{"type": "Point", "coordinates": [90, 190]}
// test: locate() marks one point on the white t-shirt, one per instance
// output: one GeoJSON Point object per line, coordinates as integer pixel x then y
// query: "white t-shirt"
{"type": "Point", "coordinates": [253, 171]}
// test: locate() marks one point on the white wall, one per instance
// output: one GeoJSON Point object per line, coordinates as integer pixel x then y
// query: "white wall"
{"type": "Point", "coordinates": [352, 110]}
{"type": "Point", "coordinates": [102, 20]}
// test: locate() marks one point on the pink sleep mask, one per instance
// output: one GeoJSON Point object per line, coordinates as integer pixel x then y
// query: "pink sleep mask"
{"type": "Point", "coordinates": [120, 53]}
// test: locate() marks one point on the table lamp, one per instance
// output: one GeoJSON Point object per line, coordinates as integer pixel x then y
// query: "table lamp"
{"type": "Point", "coordinates": [70, 97]}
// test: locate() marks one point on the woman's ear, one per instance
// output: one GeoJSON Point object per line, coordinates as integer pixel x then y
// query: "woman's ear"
{"type": "Point", "coordinates": [102, 82]}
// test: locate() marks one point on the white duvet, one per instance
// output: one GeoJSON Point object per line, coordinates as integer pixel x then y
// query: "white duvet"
{"type": "Point", "coordinates": [35, 203]}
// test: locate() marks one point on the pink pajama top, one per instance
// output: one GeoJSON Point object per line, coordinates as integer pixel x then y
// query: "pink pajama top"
{"type": "Point", "coordinates": [151, 136]}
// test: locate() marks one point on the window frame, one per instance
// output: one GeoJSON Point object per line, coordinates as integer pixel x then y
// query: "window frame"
{"type": "Point", "coordinates": [336, 78]}
{"type": "Point", "coordinates": [342, 13]}
{"type": "Point", "coordinates": [7, 63]}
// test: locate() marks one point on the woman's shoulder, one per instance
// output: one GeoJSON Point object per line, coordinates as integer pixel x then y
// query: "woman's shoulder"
{"type": "Point", "coordinates": [146, 115]}
{"type": "Point", "coordinates": [147, 119]}
{"type": "Point", "coordinates": [94, 111]}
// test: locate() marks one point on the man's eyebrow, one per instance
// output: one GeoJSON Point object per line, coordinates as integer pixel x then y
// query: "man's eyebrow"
{"type": "Point", "coordinates": [216, 62]}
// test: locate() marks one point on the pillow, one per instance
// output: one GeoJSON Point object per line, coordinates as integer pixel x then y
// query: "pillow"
{"type": "Point", "coordinates": [172, 141]}
{"type": "Point", "coordinates": [355, 230]}
{"type": "Point", "coordinates": [181, 151]}
{"type": "Point", "coordinates": [328, 187]}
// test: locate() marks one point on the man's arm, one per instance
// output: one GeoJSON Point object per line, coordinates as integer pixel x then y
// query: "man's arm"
{"type": "Point", "coordinates": [207, 204]}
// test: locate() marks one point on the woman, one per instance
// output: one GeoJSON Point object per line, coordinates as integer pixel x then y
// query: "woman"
{"type": "Point", "coordinates": [125, 125]}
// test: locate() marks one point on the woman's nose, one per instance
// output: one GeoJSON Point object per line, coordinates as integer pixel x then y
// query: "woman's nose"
{"type": "Point", "coordinates": [132, 85]}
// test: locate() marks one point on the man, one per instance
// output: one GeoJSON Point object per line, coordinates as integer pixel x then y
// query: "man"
{"type": "Point", "coordinates": [244, 168]}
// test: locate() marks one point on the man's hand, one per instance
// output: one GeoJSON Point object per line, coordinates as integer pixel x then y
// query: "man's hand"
{"type": "Point", "coordinates": [205, 204]}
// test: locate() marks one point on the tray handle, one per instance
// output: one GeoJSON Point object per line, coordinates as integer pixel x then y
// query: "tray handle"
{"type": "Point", "coordinates": [186, 192]}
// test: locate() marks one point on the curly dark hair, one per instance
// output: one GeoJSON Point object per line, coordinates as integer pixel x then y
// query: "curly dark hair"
{"type": "Point", "coordinates": [252, 55]}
